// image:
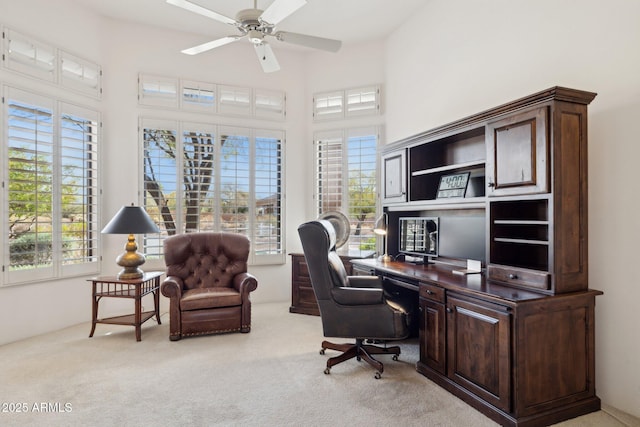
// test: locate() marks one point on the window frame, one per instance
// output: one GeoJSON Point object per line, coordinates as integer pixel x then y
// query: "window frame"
{"type": "Point", "coordinates": [342, 137]}
{"type": "Point", "coordinates": [217, 130]}
{"type": "Point", "coordinates": [58, 269]}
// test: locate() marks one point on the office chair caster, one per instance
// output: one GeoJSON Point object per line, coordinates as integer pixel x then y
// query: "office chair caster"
{"type": "Point", "coordinates": [322, 351]}
{"type": "Point", "coordinates": [327, 371]}
{"type": "Point", "coordinates": [378, 375]}
{"type": "Point", "coordinates": [395, 358]}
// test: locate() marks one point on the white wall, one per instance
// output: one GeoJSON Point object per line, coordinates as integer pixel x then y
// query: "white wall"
{"type": "Point", "coordinates": [458, 57]}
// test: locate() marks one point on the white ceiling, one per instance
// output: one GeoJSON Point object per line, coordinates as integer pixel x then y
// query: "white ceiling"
{"type": "Point", "coordinates": [352, 21]}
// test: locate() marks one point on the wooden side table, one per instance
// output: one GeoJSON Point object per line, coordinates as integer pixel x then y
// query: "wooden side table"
{"type": "Point", "coordinates": [112, 287]}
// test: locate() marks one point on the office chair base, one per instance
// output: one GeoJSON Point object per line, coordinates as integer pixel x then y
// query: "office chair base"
{"type": "Point", "coordinates": [361, 352]}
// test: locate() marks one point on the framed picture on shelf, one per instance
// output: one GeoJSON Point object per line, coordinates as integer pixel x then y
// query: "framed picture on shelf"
{"type": "Point", "coordinates": [454, 185]}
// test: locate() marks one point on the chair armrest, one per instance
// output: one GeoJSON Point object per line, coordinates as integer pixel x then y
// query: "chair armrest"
{"type": "Point", "coordinates": [374, 282]}
{"type": "Point", "coordinates": [245, 283]}
{"type": "Point", "coordinates": [172, 287]}
{"type": "Point", "coordinates": [357, 296]}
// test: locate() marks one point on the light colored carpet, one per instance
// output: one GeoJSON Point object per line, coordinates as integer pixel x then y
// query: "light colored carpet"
{"type": "Point", "coordinates": [272, 376]}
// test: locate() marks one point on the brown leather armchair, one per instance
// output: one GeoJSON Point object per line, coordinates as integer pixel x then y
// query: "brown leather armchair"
{"type": "Point", "coordinates": [207, 283]}
{"type": "Point", "coordinates": [354, 307]}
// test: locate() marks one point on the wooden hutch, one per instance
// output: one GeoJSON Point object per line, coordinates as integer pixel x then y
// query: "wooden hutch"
{"type": "Point", "coordinates": [516, 341]}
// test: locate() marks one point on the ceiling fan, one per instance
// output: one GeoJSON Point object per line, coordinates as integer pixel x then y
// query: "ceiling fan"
{"type": "Point", "coordinates": [256, 25]}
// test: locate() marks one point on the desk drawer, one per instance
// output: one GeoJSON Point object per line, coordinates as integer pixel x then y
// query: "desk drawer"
{"type": "Point", "coordinates": [432, 292]}
{"type": "Point", "coordinates": [519, 276]}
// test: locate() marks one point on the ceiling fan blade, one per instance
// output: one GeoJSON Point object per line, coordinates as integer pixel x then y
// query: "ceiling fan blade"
{"type": "Point", "coordinates": [210, 45]}
{"type": "Point", "coordinates": [192, 7]}
{"type": "Point", "coordinates": [280, 9]}
{"type": "Point", "coordinates": [267, 58]}
{"type": "Point", "coordinates": [309, 41]}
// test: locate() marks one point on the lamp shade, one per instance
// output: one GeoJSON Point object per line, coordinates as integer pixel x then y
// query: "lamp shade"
{"type": "Point", "coordinates": [380, 227]}
{"type": "Point", "coordinates": [131, 220]}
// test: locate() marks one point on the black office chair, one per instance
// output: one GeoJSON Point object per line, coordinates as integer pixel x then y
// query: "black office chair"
{"type": "Point", "coordinates": [350, 306]}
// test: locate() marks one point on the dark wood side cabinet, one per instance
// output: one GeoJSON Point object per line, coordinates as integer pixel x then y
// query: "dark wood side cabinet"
{"type": "Point", "coordinates": [303, 300]}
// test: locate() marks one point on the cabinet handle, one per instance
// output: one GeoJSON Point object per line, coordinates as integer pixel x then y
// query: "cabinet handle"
{"type": "Point", "coordinates": [491, 185]}
{"type": "Point", "coordinates": [429, 292]}
{"type": "Point", "coordinates": [449, 310]}
{"type": "Point", "coordinates": [513, 276]}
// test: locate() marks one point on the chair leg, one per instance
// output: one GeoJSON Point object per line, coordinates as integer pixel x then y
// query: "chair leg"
{"type": "Point", "coordinates": [361, 352]}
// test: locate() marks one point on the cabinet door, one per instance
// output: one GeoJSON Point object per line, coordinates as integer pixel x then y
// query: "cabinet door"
{"type": "Point", "coordinates": [517, 154]}
{"type": "Point", "coordinates": [433, 335]}
{"type": "Point", "coordinates": [479, 349]}
{"type": "Point", "coordinates": [394, 180]}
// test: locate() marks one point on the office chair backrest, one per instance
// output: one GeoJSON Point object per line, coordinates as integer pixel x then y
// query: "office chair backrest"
{"type": "Point", "coordinates": [325, 266]}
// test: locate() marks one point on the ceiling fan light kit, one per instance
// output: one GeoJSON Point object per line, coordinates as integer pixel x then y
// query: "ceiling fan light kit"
{"type": "Point", "coordinates": [255, 24]}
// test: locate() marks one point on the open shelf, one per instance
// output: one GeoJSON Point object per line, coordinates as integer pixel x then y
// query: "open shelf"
{"type": "Point", "coordinates": [430, 161]}
{"type": "Point", "coordinates": [519, 233]}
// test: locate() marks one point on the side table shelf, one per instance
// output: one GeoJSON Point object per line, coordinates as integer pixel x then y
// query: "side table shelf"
{"type": "Point", "coordinates": [112, 287]}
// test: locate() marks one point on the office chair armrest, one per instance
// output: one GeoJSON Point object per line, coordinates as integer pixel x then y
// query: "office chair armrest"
{"type": "Point", "coordinates": [357, 296]}
{"type": "Point", "coordinates": [172, 287]}
{"type": "Point", "coordinates": [374, 282]}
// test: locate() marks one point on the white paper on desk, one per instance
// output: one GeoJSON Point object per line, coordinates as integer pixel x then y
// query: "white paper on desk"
{"type": "Point", "coordinates": [473, 266]}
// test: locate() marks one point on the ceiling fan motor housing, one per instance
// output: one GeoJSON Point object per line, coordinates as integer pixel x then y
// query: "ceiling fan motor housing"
{"type": "Point", "coordinates": [249, 18]}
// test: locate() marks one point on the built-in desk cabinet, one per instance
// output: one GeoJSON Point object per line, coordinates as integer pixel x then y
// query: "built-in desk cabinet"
{"type": "Point", "coordinates": [526, 361]}
{"type": "Point", "coordinates": [516, 342]}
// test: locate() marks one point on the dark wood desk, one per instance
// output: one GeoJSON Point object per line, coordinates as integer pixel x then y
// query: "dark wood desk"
{"type": "Point", "coordinates": [520, 357]}
{"type": "Point", "coordinates": [112, 287]}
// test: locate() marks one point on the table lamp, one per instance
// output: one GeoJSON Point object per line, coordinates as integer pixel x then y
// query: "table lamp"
{"type": "Point", "coordinates": [380, 229]}
{"type": "Point", "coordinates": [131, 220]}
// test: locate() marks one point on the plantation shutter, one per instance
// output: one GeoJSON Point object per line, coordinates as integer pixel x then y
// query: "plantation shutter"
{"type": "Point", "coordinates": [30, 154]}
{"type": "Point", "coordinates": [79, 191]}
{"type": "Point", "coordinates": [199, 154]}
{"type": "Point", "coordinates": [329, 171]}
{"type": "Point", "coordinates": [160, 180]}
{"type": "Point", "coordinates": [235, 180]}
{"type": "Point", "coordinates": [361, 154]}
{"type": "Point", "coordinates": [28, 56]}
{"type": "Point", "coordinates": [268, 213]}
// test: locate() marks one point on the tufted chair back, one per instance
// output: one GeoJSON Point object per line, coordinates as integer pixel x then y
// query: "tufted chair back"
{"type": "Point", "coordinates": [207, 283]}
{"type": "Point", "coordinates": [206, 260]}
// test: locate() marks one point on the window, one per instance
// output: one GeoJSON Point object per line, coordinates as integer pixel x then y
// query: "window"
{"type": "Point", "coordinates": [158, 91]}
{"type": "Point", "coordinates": [190, 95]}
{"type": "Point", "coordinates": [329, 105]}
{"type": "Point", "coordinates": [346, 180]}
{"type": "Point", "coordinates": [341, 104]}
{"type": "Point", "coordinates": [269, 104]}
{"type": "Point", "coordinates": [200, 177]}
{"type": "Point", "coordinates": [234, 100]}
{"type": "Point", "coordinates": [80, 74]}
{"type": "Point", "coordinates": [34, 58]}
{"type": "Point", "coordinates": [52, 191]}
{"type": "Point", "coordinates": [29, 56]}
{"type": "Point", "coordinates": [199, 96]}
